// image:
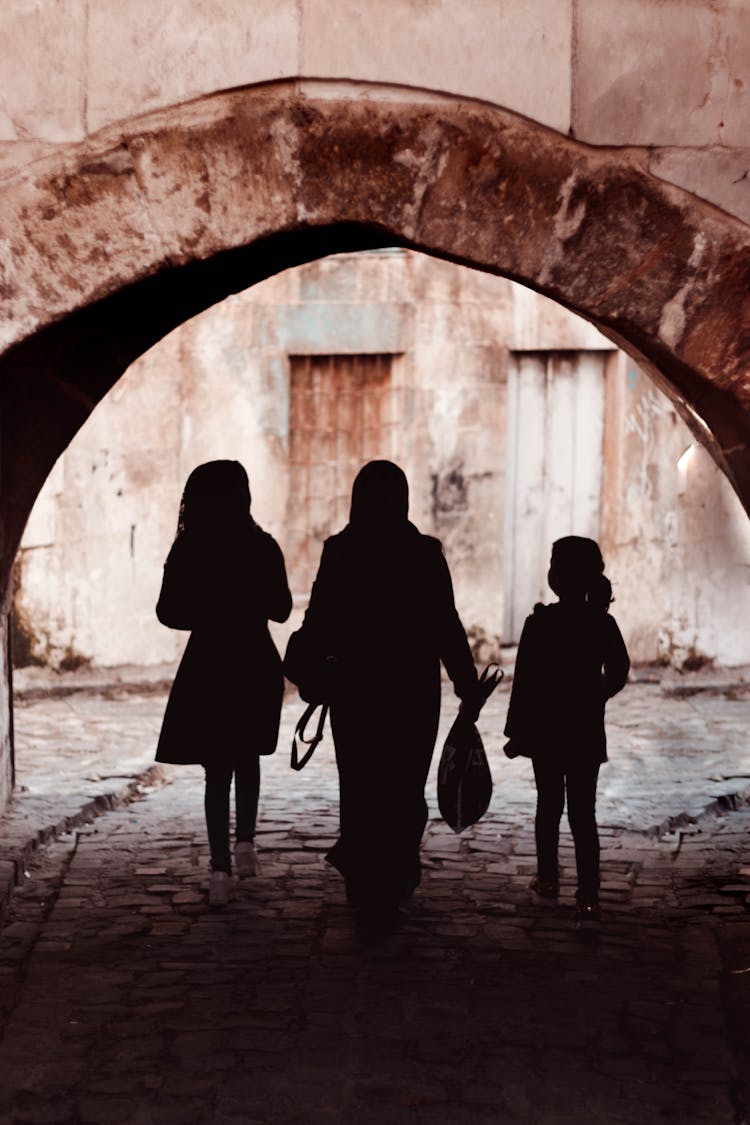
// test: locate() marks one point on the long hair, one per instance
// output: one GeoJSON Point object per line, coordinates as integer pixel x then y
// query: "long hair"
{"type": "Point", "coordinates": [216, 497]}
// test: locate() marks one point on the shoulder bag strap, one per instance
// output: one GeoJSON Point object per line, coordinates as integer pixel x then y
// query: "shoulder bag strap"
{"type": "Point", "coordinates": [298, 763]}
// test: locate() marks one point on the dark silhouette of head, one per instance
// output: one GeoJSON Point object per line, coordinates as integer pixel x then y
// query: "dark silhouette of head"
{"type": "Point", "coordinates": [216, 497]}
{"type": "Point", "coordinates": [380, 497]}
{"type": "Point", "coordinates": [576, 572]}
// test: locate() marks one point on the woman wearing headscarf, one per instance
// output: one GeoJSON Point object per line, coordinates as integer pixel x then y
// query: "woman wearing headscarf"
{"type": "Point", "coordinates": [224, 578]}
{"type": "Point", "coordinates": [382, 605]}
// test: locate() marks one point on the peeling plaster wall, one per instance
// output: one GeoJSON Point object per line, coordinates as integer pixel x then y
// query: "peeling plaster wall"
{"type": "Point", "coordinates": [677, 542]}
{"type": "Point", "coordinates": [675, 536]}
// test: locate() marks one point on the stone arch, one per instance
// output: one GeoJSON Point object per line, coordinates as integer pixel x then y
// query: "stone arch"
{"type": "Point", "coordinates": [108, 247]}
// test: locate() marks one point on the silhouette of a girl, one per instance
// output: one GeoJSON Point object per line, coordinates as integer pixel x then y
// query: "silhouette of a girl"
{"type": "Point", "coordinates": [223, 579]}
{"type": "Point", "coordinates": [571, 660]}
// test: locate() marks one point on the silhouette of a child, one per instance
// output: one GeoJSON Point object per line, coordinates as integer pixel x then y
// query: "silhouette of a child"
{"type": "Point", "coordinates": [571, 659]}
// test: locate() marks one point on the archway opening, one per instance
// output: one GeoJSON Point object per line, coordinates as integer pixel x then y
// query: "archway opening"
{"type": "Point", "coordinates": [516, 422]}
{"type": "Point", "coordinates": [177, 210]}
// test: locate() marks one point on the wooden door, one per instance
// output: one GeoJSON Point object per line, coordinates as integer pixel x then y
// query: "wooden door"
{"type": "Point", "coordinates": [340, 417]}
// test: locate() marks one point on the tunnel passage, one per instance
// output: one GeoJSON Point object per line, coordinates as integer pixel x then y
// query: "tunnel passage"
{"type": "Point", "coordinates": [107, 248]}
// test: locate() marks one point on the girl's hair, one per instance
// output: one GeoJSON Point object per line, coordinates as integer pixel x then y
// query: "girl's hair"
{"type": "Point", "coordinates": [577, 567]}
{"type": "Point", "coordinates": [599, 594]}
{"type": "Point", "coordinates": [215, 492]}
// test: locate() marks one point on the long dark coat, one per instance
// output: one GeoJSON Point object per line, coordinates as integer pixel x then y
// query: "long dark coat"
{"type": "Point", "coordinates": [385, 610]}
{"type": "Point", "coordinates": [571, 659]}
{"type": "Point", "coordinates": [225, 702]}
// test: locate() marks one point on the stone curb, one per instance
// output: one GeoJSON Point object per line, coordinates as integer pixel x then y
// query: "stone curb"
{"type": "Point", "coordinates": [718, 687]}
{"type": "Point", "coordinates": [15, 857]}
{"type": "Point", "coordinates": [709, 679]}
{"type": "Point", "coordinates": [63, 687]}
{"type": "Point", "coordinates": [676, 825]}
{"type": "Point", "coordinates": [130, 681]}
{"type": "Point", "coordinates": [35, 692]}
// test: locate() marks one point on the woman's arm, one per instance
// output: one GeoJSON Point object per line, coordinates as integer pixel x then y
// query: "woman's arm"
{"type": "Point", "coordinates": [176, 605]}
{"type": "Point", "coordinates": [319, 608]}
{"type": "Point", "coordinates": [453, 644]}
{"type": "Point", "coordinates": [279, 597]}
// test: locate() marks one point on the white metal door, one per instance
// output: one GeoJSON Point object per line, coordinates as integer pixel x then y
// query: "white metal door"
{"type": "Point", "coordinates": [554, 469]}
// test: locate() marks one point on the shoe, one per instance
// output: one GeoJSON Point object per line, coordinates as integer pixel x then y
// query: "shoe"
{"type": "Point", "coordinates": [246, 859]}
{"type": "Point", "coordinates": [588, 915]}
{"type": "Point", "coordinates": [544, 888]}
{"type": "Point", "coordinates": [219, 888]}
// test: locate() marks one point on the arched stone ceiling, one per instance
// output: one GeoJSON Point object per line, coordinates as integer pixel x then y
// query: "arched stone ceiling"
{"type": "Point", "coordinates": [106, 246]}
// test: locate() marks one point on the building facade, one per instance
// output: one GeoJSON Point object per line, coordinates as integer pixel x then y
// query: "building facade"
{"type": "Point", "coordinates": [515, 420]}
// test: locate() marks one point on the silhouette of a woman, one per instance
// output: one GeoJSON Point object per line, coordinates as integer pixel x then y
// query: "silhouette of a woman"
{"type": "Point", "coordinates": [223, 579]}
{"type": "Point", "coordinates": [383, 603]}
{"type": "Point", "coordinates": [571, 660]}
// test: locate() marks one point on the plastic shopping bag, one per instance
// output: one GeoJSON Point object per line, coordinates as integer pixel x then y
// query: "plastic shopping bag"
{"type": "Point", "coordinates": [464, 778]}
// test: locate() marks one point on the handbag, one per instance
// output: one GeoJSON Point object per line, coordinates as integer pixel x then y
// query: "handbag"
{"type": "Point", "coordinates": [464, 778]}
{"type": "Point", "coordinates": [297, 762]}
{"type": "Point", "coordinates": [307, 666]}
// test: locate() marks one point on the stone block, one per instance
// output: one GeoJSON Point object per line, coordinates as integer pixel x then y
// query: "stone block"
{"type": "Point", "coordinates": [143, 56]}
{"type": "Point", "coordinates": [515, 55]}
{"type": "Point", "coordinates": [719, 175]}
{"type": "Point", "coordinates": [662, 74]}
{"type": "Point", "coordinates": [93, 214]}
{"type": "Point", "coordinates": [194, 191]}
{"type": "Point", "coordinates": [14, 154]}
{"type": "Point", "coordinates": [42, 70]}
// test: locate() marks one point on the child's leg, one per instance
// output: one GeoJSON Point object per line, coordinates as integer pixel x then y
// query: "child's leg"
{"type": "Point", "coordinates": [218, 782]}
{"type": "Point", "coordinates": [246, 790]}
{"type": "Point", "coordinates": [550, 801]}
{"type": "Point", "coordinates": [581, 781]}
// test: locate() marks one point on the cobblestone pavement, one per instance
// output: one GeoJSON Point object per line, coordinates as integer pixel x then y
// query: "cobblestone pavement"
{"type": "Point", "coordinates": [126, 999]}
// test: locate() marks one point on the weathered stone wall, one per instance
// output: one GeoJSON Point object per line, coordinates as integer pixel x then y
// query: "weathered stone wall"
{"type": "Point", "coordinates": [90, 562]}
{"type": "Point", "coordinates": [674, 534]}
{"type": "Point", "coordinates": [109, 246]}
{"type": "Point", "coordinates": [669, 82]}
{"type": "Point", "coordinates": [6, 704]}
{"type": "Point", "coordinates": [676, 540]}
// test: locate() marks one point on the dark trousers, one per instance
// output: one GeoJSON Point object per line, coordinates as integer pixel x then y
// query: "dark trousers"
{"type": "Point", "coordinates": [246, 789]}
{"type": "Point", "coordinates": [577, 780]}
